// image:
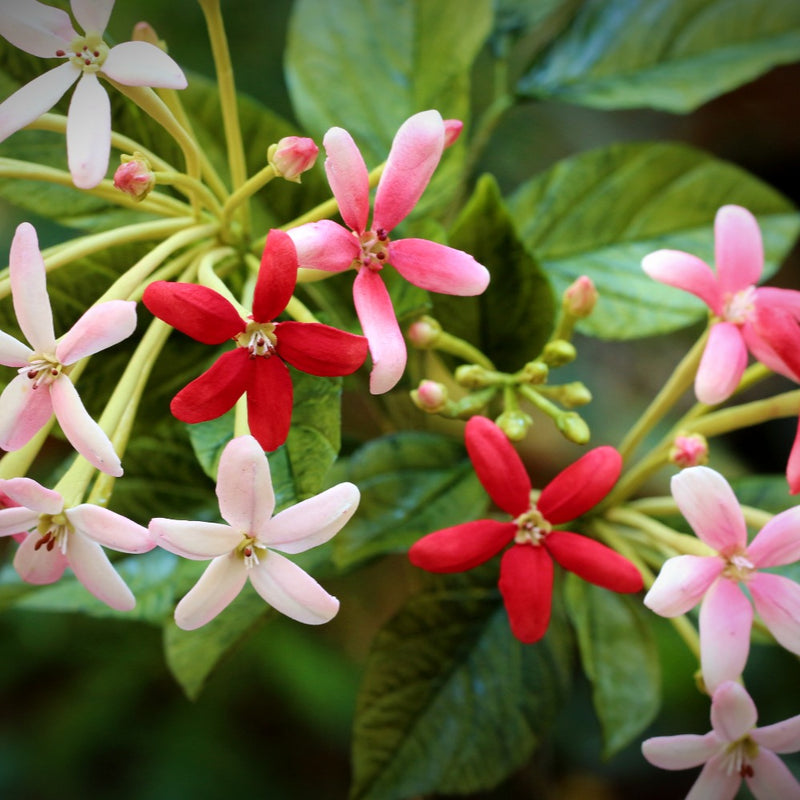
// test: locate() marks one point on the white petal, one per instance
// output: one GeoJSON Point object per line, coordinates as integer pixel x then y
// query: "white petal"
{"type": "Point", "coordinates": [101, 326]}
{"type": "Point", "coordinates": [93, 569]}
{"type": "Point", "coordinates": [36, 28]}
{"type": "Point", "coordinates": [716, 781]}
{"type": "Point", "coordinates": [681, 752]}
{"type": "Point", "coordinates": [12, 352]}
{"type": "Point", "coordinates": [681, 584]}
{"type": "Point", "coordinates": [23, 412]}
{"type": "Point", "coordinates": [17, 520]}
{"type": "Point", "coordinates": [733, 712]}
{"type": "Point", "coordinates": [110, 529]}
{"type": "Point", "coordinates": [32, 495]}
{"type": "Point", "coordinates": [40, 566]}
{"type": "Point", "coordinates": [771, 778]}
{"type": "Point", "coordinates": [196, 540]}
{"type": "Point", "coordinates": [781, 737]}
{"type": "Point", "coordinates": [143, 64]}
{"type": "Point", "coordinates": [216, 589]}
{"type": "Point", "coordinates": [92, 15]}
{"type": "Point", "coordinates": [88, 132]}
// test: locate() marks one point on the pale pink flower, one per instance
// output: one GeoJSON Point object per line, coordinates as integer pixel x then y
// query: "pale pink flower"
{"type": "Point", "coordinates": [43, 386]}
{"type": "Point", "coordinates": [60, 537]}
{"type": "Point", "coordinates": [135, 176]}
{"type": "Point", "coordinates": [707, 501]}
{"type": "Point", "coordinates": [292, 156]}
{"type": "Point", "coordinates": [326, 245]}
{"type": "Point", "coordinates": [689, 450]}
{"type": "Point", "coordinates": [48, 32]}
{"type": "Point", "coordinates": [734, 749]}
{"type": "Point", "coordinates": [247, 547]}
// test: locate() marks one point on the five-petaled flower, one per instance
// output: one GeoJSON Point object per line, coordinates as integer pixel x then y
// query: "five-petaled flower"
{"type": "Point", "coordinates": [47, 32]}
{"type": "Point", "coordinates": [43, 386]}
{"type": "Point", "coordinates": [734, 749]}
{"type": "Point", "coordinates": [247, 547]}
{"type": "Point", "coordinates": [60, 537]}
{"type": "Point", "coordinates": [707, 501]}
{"type": "Point", "coordinates": [326, 245]}
{"type": "Point", "coordinates": [256, 366]}
{"type": "Point", "coordinates": [526, 569]}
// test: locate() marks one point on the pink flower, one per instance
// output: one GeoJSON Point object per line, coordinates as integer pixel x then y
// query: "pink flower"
{"type": "Point", "coordinates": [47, 32]}
{"type": "Point", "coordinates": [689, 451]}
{"type": "Point", "coordinates": [256, 365]}
{"type": "Point", "coordinates": [292, 156]}
{"type": "Point", "coordinates": [326, 245]}
{"type": "Point", "coordinates": [732, 750]}
{"type": "Point", "coordinates": [43, 386]}
{"type": "Point", "coordinates": [62, 537]}
{"type": "Point", "coordinates": [711, 508]}
{"type": "Point", "coordinates": [135, 176]}
{"type": "Point", "coordinates": [247, 547]}
{"type": "Point", "coordinates": [526, 569]}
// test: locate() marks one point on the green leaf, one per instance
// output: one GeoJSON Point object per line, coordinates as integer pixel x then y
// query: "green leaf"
{"type": "Point", "coordinates": [620, 658]}
{"type": "Point", "coordinates": [599, 213]}
{"type": "Point", "coordinates": [667, 54]}
{"type": "Point", "coordinates": [451, 702]}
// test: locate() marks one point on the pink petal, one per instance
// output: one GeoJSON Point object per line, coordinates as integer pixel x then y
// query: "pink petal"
{"type": "Point", "coordinates": [726, 617]}
{"type": "Point", "coordinates": [23, 412]}
{"type": "Point", "coordinates": [415, 153]}
{"type": "Point", "coordinates": [12, 352]}
{"type": "Point", "coordinates": [778, 542]}
{"type": "Point", "coordinates": [40, 566]}
{"type": "Point", "coordinates": [36, 28]}
{"type": "Point", "coordinates": [772, 778]}
{"type": "Point", "coordinates": [293, 592]}
{"type": "Point", "coordinates": [319, 349]}
{"type": "Point", "coordinates": [92, 15]}
{"type": "Point", "coordinates": [377, 318]}
{"type": "Point", "coordinates": [348, 177]}
{"type": "Point", "coordinates": [723, 362]}
{"type": "Point", "coordinates": [88, 132]}
{"type": "Point", "coordinates": [216, 589]}
{"type": "Point", "coordinates": [196, 540]}
{"type": "Point", "coordinates": [269, 402]}
{"type": "Point", "coordinates": [733, 712]}
{"type": "Point", "coordinates": [110, 529]}
{"type": "Point", "coordinates": [277, 277]}
{"type": "Point", "coordinates": [438, 268]}
{"type": "Point", "coordinates": [773, 337]}
{"type": "Point", "coordinates": [681, 752]}
{"type": "Point", "coordinates": [32, 495]}
{"type": "Point", "coordinates": [716, 781]}
{"type": "Point", "coordinates": [526, 583]}
{"type": "Point", "coordinates": [461, 547]}
{"type": "Point", "coordinates": [681, 584]}
{"type": "Point", "coordinates": [793, 465]}
{"type": "Point", "coordinates": [99, 327]}
{"type": "Point", "coordinates": [17, 520]}
{"type": "Point", "coordinates": [687, 272]}
{"type": "Point", "coordinates": [777, 601]}
{"type": "Point", "coordinates": [313, 521]}
{"type": "Point", "coordinates": [738, 251]}
{"type": "Point", "coordinates": [707, 501]}
{"type": "Point", "coordinates": [93, 569]}
{"type": "Point", "coordinates": [244, 487]}
{"type": "Point", "coordinates": [325, 245]}
{"type": "Point", "coordinates": [83, 433]}
{"type": "Point", "coordinates": [143, 64]}
{"type": "Point", "coordinates": [781, 737]}
{"type": "Point", "coordinates": [787, 300]}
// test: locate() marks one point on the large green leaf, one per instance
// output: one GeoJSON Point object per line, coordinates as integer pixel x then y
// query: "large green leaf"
{"type": "Point", "coordinates": [667, 54]}
{"type": "Point", "coordinates": [599, 213]}
{"type": "Point", "coordinates": [451, 702]}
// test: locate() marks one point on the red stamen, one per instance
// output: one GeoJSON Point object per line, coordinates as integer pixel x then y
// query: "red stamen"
{"type": "Point", "coordinates": [60, 53]}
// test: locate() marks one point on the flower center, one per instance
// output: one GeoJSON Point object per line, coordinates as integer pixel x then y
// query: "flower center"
{"type": "Point", "coordinates": [42, 369]}
{"type": "Point", "coordinates": [374, 250]}
{"type": "Point", "coordinates": [53, 530]}
{"type": "Point", "coordinates": [532, 527]}
{"type": "Point", "coordinates": [739, 307]}
{"type": "Point", "coordinates": [248, 550]}
{"type": "Point", "coordinates": [739, 567]}
{"type": "Point", "coordinates": [258, 338]}
{"type": "Point", "coordinates": [738, 757]}
{"type": "Point", "coordinates": [88, 53]}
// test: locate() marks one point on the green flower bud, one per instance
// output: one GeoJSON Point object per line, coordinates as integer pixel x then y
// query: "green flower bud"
{"type": "Point", "coordinates": [558, 353]}
{"type": "Point", "coordinates": [514, 424]}
{"type": "Point", "coordinates": [573, 427]}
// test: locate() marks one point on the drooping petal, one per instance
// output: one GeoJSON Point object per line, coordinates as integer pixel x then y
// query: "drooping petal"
{"type": "Point", "coordinates": [269, 402]}
{"type": "Point", "coordinates": [773, 337]}
{"type": "Point", "coordinates": [681, 752]}
{"type": "Point", "coordinates": [83, 433]}
{"type": "Point", "coordinates": [92, 15]}
{"type": "Point", "coordinates": [593, 561]}
{"type": "Point", "coordinates": [99, 327]}
{"type": "Point", "coordinates": [777, 601]}
{"type": "Point", "coordinates": [197, 311]}
{"type": "Point", "coordinates": [415, 154]}
{"type": "Point", "coordinates": [17, 520]}
{"type": "Point", "coordinates": [681, 584]}
{"type": "Point", "coordinates": [36, 28]}
{"type": "Point", "coordinates": [738, 251]}
{"type": "Point", "coordinates": [716, 781]}
{"type": "Point", "coordinates": [293, 592]}
{"type": "Point", "coordinates": [93, 569]}
{"type": "Point", "coordinates": [110, 529]}
{"type": "Point", "coordinates": [88, 132]}
{"type": "Point", "coordinates": [778, 542]}
{"type": "Point", "coordinates": [320, 349]}
{"type": "Point", "coordinates": [733, 712]}
{"type": "Point", "coordinates": [781, 737]}
{"type": "Point", "coordinates": [526, 583]}
{"type": "Point", "coordinates": [23, 412]}
{"type": "Point", "coordinates": [723, 362]}
{"type": "Point", "coordinates": [196, 540]}
{"type": "Point", "coordinates": [277, 277]}
{"type": "Point", "coordinates": [32, 495]}
{"type": "Point", "coordinates": [726, 618]}
{"type": "Point", "coordinates": [244, 486]}
{"type": "Point", "coordinates": [498, 466]}
{"type": "Point", "coordinates": [216, 589]}
{"type": "Point", "coordinates": [348, 177]}
{"type": "Point", "coordinates": [12, 352]}
{"type": "Point", "coordinates": [438, 268]}
{"type": "Point", "coordinates": [581, 486]}
{"type": "Point", "coordinates": [312, 521]}
{"type": "Point", "coordinates": [325, 245]}
{"type": "Point", "coordinates": [771, 778]}
{"type": "Point", "coordinates": [793, 464]}
{"type": "Point", "coordinates": [40, 566]}
{"type": "Point", "coordinates": [687, 272]}
{"type": "Point", "coordinates": [707, 501]}
{"type": "Point", "coordinates": [461, 547]}
{"type": "Point", "coordinates": [143, 64]}
{"type": "Point", "coordinates": [377, 318]}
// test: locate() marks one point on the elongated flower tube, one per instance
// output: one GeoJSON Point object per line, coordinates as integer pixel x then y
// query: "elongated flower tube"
{"type": "Point", "coordinates": [60, 537]}
{"type": "Point", "coordinates": [257, 365]}
{"type": "Point", "coordinates": [526, 569]}
{"type": "Point", "coordinates": [47, 32]}
{"type": "Point", "coordinates": [249, 546]}
{"type": "Point", "coordinates": [707, 501]}
{"type": "Point", "coordinates": [415, 153]}
{"type": "Point", "coordinates": [43, 386]}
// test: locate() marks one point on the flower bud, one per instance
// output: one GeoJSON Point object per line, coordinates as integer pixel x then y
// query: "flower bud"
{"type": "Point", "coordinates": [424, 332]}
{"type": "Point", "coordinates": [452, 130]}
{"type": "Point", "coordinates": [473, 376]}
{"type": "Point", "coordinates": [134, 176]}
{"type": "Point", "coordinates": [580, 297]}
{"type": "Point", "coordinates": [689, 451]}
{"type": "Point", "coordinates": [145, 32]}
{"type": "Point", "coordinates": [558, 353]}
{"type": "Point", "coordinates": [573, 427]}
{"type": "Point", "coordinates": [535, 372]}
{"type": "Point", "coordinates": [430, 396]}
{"type": "Point", "coordinates": [292, 156]}
{"type": "Point", "coordinates": [573, 394]}
{"type": "Point", "coordinates": [514, 424]}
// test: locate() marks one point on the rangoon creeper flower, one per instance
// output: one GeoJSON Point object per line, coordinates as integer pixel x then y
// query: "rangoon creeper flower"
{"type": "Point", "coordinates": [326, 245]}
{"type": "Point", "coordinates": [256, 366]}
{"type": "Point", "coordinates": [43, 386]}
{"type": "Point", "coordinates": [526, 569]}
{"type": "Point", "coordinates": [47, 32]}
{"type": "Point", "coordinates": [248, 546]}
{"type": "Point", "coordinates": [734, 749]}
{"type": "Point", "coordinates": [62, 537]}
{"type": "Point", "coordinates": [707, 501]}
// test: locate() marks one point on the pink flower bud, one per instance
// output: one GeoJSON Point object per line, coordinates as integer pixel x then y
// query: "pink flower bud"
{"type": "Point", "coordinates": [424, 332]}
{"type": "Point", "coordinates": [689, 451]}
{"type": "Point", "coordinates": [134, 176]}
{"type": "Point", "coordinates": [292, 156]}
{"type": "Point", "coordinates": [430, 396]}
{"type": "Point", "coordinates": [580, 297]}
{"type": "Point", "coordinates": [452, 130]}
{"type": "Point", "coordinates": [145, 32]}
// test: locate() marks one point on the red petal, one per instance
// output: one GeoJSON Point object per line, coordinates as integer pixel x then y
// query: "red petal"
{"type": "Point", "coordinates": [320, 349]}
{"type": "Point", "coordinates": [580, 486]}
{"type": "Point", "coordinates": [197, 311]}
{"type": "Point", "coordinates": [276, 277]}
{"type": "Point", "coordinates": [593, 561]}
{"type": "Point", "coordinates": [526, 583]}
{"type": "Point", "coordinates": [461, 547]}
{"type": "Point", "coordinates": [269, 402]}
{"type": "Point", "coordinates": [498, 466]}
{"type": "Point", "coordinates": [216, 390]}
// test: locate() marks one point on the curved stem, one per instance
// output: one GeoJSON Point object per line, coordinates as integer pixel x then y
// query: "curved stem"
{"type": "Point", "coordinates": [245, 192]}
{"type": "Point", "coordinates": [207, 277]}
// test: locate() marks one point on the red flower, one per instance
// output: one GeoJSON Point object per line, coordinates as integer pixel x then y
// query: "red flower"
{"type": "Point", "coordinates": [526, 569]}
{"type": "Point", "coordinates": [256, 365]}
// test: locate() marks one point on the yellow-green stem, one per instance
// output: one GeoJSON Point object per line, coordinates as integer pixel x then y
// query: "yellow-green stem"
{"type": "Point", "coordinates": [447, 343]}
{"type": "Point", "coordinates": [197, 191]}
{"type": "Point", "coordinates": [245, 192]}
{"type": "Point", "coordinates": [298, 311]}
{"type": "Point", "coordinates": [207, 277]}
{"type": "Point", "coordinates": [756, 518]}
{"type": "Point", "coordinates": [659, 533]}
{"type": "Point", "coordinates": [240, 425]}
{"type": "Point", "coordinates": [16, 463]}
